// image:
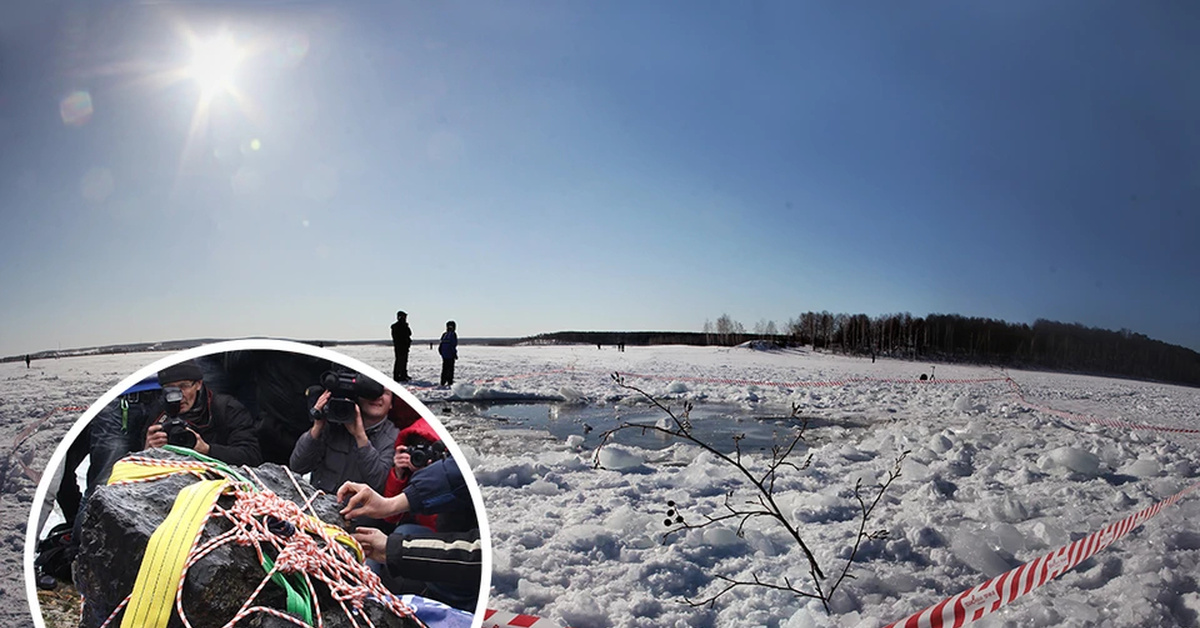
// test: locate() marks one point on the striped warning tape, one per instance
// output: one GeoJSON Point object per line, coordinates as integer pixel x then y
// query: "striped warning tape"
{"type": "Point", "coordinates": [500, 619]}
{"type": "Point", "coordinates": [34, 426]}
{"type": "Point", "coordinates": [988, 597]}
{"type": "Point", "coordinates": [1071, 416]}
{"type": "Point", "coordinates": [812, 383]}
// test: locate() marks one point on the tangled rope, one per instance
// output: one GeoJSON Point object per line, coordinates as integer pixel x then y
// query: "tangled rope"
{"type": "Point", "coordinates": [294, 547]}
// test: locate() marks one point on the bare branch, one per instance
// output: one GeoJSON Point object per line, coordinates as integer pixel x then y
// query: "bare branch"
{"type": "Point", "coordinates": [763, 503]}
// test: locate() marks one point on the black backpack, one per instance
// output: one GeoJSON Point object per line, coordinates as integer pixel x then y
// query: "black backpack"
{"type": "Point", "coordinates": [56, 553]}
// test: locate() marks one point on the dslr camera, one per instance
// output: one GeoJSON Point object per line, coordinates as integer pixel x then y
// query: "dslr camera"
{"type": "Point", "coordinates": [344, 388]}
{"type": "Point", "coordinates": [178, 433]}
{"type": "Point", "coordinates": [424, 453]}
{"type": "Point", "coordinates": [175, 427]}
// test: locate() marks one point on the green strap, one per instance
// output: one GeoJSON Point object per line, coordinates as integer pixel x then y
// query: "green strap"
{"type": "Point", "coordinates": [221, 466]}
{"type": "Point", "coordinates": [299, 601]}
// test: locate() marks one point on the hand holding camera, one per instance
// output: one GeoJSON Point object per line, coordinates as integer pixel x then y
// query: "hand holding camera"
{"type": "Point", "coordinates": [175, 431]}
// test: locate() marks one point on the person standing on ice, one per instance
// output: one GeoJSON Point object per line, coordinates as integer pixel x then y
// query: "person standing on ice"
{"type": "Point", "coordinates": [448, 348]}
{"type": "Point", "coordinates": [401, 342]}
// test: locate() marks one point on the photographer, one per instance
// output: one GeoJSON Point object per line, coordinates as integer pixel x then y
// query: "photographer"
{"type": "Point", "coordinates": [211, 423]}
{"type": "Point", "coordinates": [345, 445]}
{"type": "Point", "coordinates": [445, 565]}
{"type": "Point", "coordinates": [417, 446]}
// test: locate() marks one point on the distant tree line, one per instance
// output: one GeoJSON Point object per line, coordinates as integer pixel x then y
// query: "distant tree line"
{"type": "Point", "coordinates": [955, 338]}
{"type": "Point", "coordinates": [940, 338]}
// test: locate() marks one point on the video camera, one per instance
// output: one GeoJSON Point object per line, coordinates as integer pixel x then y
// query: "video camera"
{"type": "Point", "coordinates": [344, 388]}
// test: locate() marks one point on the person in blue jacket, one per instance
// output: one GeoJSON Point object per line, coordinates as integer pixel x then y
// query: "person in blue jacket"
{"type": "Point", "coordinates": [446, 564]}
{"type": "Point", "coordinates": [448, 348]}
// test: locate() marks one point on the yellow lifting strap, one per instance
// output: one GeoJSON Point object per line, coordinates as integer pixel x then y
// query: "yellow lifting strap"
{"type": "Point", "coordinates": [343, 537]}
{"type": "Point", "coordinates": [126, 470]}
{"type": "Point", "coordinates": [167, 552]}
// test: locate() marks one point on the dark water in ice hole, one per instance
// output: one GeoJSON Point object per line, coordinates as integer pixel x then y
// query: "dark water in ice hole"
{"type": "Point", "coordinates": [715, 424]}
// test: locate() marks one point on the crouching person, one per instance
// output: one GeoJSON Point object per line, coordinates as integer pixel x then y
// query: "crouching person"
{"type": "Point", "coordinates": [446, 564]}
{"type": "Point", "coordinates": [195, 417]}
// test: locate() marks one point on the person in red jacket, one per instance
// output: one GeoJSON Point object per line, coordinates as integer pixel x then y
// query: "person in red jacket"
{"type": "Point", "coordinates": [415, 440]}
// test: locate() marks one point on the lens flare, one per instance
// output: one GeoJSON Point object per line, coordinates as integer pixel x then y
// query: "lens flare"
{"type": "Point", "coordinates": [76, 109]}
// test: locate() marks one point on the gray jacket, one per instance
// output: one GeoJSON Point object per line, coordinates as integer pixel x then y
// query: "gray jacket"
{"type": "Point", "coordinates": [335, 457]}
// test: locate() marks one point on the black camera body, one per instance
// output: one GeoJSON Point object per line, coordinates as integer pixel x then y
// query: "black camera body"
{"type": "Point", "coordinates": [178, 433]}
{"type": "Point", "coordinates": [344, 388]}
{"type": "Point", "coordinates": [425, 453]}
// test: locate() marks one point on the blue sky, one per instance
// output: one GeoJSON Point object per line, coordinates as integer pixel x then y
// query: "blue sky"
{"type": "Point", "coordinates": [537, 166]}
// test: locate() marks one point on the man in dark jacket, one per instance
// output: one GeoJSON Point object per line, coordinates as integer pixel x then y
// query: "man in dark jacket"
{"type": "Point", "coordinates": [278, 380]}
{"type": "Point", "coordinates": [401, 342]}
{"type": "Point", "coordinates": [218, 424]}
{"type": "Point", "coordinates": [445, 565]}
{"type": "Point", "coordinates": [448, 349]}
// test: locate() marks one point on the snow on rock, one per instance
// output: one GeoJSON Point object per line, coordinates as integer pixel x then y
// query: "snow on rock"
{"type": "Point", "coordinates": [721, 537]}
{"type": "Point", "coordinates": [677, 388]}
{"type": "Point", "coordinates": [543, 487]}
{"type": "Point", "coordinates": [463, 390]}
{"type": "Point", "coordinates": [940, 444]}
{"type": "Point", "coordinates": [1007, 508]}
{"type": "Point", "coordinates": [618, 458]}
{"type": "Point", "coordinates": [974, 549]}
{"type": "Point", "coordinates": [571, 395]}
{"type": "Point", "coordinates": [1072, 459]}
{"type": "Point", "coordinates": [1142, 468]}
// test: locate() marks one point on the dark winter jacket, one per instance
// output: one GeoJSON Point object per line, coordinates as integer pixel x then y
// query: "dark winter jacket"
{"type": "Point", "coordinates": [279, 379]}
{"type": "Point", "coordinates": [336, 458]}
{"type": "Point", "coordinates": [401, 335]}
{"type": "Point", "coordinates": [226, 425]}
{"type": "Point", "coordinates": [448, 347]}
{"type": "Point", "coordinates": [120, 428]}
{"type": "Point", "coordinates": [455, 553]}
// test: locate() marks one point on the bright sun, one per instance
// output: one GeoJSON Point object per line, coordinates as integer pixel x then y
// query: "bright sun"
{"type": "Point", "coordinates": [214, 63]}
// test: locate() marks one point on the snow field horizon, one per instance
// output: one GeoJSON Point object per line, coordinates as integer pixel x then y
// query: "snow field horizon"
{"type": "Point", "coordinates": [989, 484]}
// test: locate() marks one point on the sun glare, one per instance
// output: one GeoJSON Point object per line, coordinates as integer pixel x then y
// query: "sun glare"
{"type": "Point", "coordinates": [214, 64]}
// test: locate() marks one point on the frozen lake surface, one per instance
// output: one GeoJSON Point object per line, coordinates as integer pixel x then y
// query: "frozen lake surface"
{"type": "Point", "coordinates": [990, 482]}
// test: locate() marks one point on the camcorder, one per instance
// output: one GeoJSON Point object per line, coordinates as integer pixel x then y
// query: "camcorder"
{"type": "Point", "coordinates": [344, 388]}
{"type": "Point", "coordinates": [422, 454]}
{"type": "Point", "coordinates": [175, 427]}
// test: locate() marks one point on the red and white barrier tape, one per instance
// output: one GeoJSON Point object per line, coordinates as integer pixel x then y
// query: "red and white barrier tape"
{"type": "Point", "coordinates": [813, 383]}
{"type": "Point", "coordinates": [500, 619]}
{"type": "Point", "coordinates": [1071, 416]}
{"type": "Point", "coordinates": [988, 597]}
{"type": "Point", "coordinates": [34, 426]}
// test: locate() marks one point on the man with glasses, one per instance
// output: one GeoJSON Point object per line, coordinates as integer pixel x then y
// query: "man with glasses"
{"type": "Point", "coordinates": [211, 423]}
{"type": "Point", "coordinates": [360, 450]}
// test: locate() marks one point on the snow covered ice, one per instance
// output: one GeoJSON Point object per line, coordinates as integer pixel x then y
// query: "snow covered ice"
{"type": "Point", "coordinates": [988, 485]}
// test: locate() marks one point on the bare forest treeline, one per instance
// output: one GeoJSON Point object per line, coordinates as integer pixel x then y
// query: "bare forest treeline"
{"type": "Point", "coordinates": [939, 338]}
{"type": "Point", "coordinates": [954, 338]}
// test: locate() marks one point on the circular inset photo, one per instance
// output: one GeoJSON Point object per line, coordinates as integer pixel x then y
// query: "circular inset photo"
{"type": "Point", "coordinates": [257, 483]}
